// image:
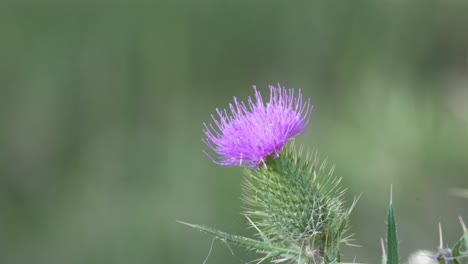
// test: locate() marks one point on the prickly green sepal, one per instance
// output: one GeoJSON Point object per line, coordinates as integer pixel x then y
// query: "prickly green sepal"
{"type": "Point", "coordinates": [392, 242]}
{"type": "Point", "coordinates": [298, 202]}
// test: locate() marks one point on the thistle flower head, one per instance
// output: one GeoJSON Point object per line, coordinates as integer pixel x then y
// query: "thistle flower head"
{"type": "Point", "coordinates": [252, 132]}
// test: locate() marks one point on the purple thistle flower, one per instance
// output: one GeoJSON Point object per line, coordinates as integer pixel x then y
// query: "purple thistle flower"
{"type": "Point", "coordinates": [249, 135]}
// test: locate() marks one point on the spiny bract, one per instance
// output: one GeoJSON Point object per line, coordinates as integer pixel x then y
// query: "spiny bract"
{"type": "Point", "coordinates": [295, 202]}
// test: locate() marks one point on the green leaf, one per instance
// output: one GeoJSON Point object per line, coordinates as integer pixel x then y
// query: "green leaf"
{"type": "Point", "coordinates": [392, 242]}
{"type": "Point", "coordinates": [465, 238]}
{"type": "Point", "coordinates": [271, 250]}
{"type": "Point", "coordinates": [456, 250]}
{"type": "Point", "coordinates": [461, 243]}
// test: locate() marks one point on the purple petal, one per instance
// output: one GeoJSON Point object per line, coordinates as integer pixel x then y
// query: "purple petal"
{"type": "Point", "coordinates": [250, 134]}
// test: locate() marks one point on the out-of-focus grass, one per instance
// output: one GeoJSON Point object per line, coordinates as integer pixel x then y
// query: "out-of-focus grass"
{"type": "Point", "coordinates": [101, 109]}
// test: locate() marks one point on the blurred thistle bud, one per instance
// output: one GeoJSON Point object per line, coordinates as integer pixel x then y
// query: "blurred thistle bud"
{"type": "Point", "coordinates": [422, 257]}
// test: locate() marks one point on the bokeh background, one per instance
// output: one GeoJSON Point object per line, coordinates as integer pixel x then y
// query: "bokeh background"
{"type": "Point", "coordinates": [102, 105]}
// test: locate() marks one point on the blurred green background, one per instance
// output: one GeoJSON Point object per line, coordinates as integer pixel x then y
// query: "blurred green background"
{"type": "Point", "coordinates": [102, 105]}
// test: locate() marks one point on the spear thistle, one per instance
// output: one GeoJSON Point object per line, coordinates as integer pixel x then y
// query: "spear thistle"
{"type": "Point", "coordinates": [293, 201]}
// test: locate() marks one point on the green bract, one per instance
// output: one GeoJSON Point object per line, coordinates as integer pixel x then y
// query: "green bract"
{"type": "Point", "coordinates": [298, 202]}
